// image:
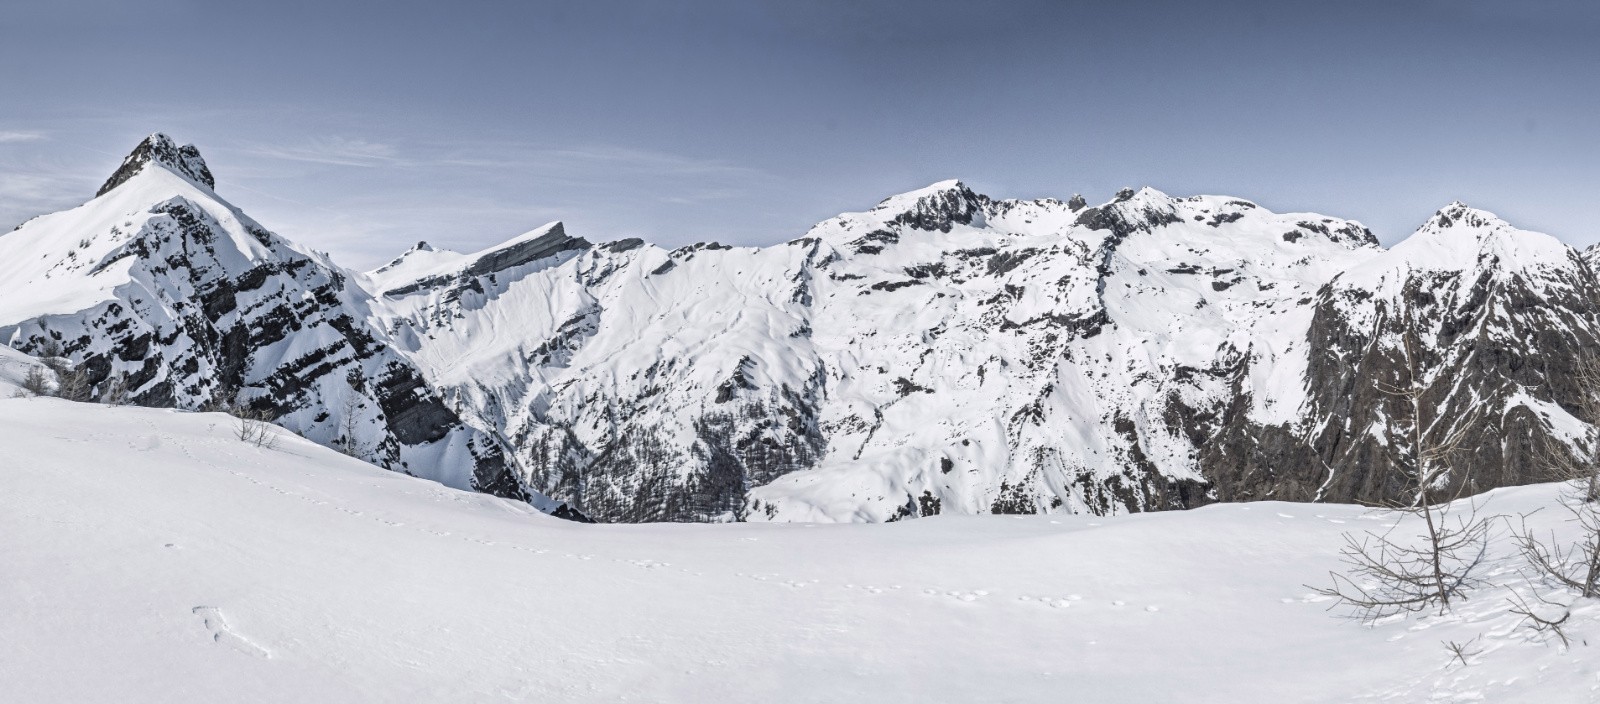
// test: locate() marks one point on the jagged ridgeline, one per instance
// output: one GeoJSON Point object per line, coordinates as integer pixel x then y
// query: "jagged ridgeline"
{"type": "Point", "coordinates": [944, 352]}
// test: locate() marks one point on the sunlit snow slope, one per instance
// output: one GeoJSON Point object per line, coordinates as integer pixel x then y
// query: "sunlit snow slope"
{"type": "Point", "coordinates": [150, 556]}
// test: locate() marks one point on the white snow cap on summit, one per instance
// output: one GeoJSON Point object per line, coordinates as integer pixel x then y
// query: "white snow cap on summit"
{"type": "Point", "coordinates": [1465, 239]}
{"type": "Point", "coordinates": [1459, 237]}
{"type": "Point", "coordinates": [909, 199]}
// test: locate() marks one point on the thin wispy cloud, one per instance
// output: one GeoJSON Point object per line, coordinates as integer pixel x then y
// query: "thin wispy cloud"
{"type": "Point", "coordinates": [333, 151]}
{"type": "Point", "coordinates": [703, 196]}
{"type": "Point", "coordinates": [30, 190]}
{"type": "Point", "coordinates": [15, 136]}
{"type": "Point", "coordinates": [641, 161]}
{"type": "Point", "coordinates": [599, 159]}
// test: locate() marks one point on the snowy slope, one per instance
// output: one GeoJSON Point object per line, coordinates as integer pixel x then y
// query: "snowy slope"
{"type": "Point", "coordinates": [153, 557]}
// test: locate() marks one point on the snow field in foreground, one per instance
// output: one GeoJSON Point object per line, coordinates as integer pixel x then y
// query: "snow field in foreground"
{"type": "Point", "coordinates": [149, 555]}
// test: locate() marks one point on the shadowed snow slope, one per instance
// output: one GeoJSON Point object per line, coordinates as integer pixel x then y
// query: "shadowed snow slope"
{"type": "Point", "coordinates": [150, 556]}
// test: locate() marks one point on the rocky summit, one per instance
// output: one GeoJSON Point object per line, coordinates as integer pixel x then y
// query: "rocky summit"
{"type": "Point", "coordinates": [943, 352]}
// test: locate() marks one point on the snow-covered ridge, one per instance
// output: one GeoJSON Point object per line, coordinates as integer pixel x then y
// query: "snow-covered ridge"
{"type": "Point", "coordinates": [424, 267]}
{"type": "Point", "coordinates": [1465, 240]}
{"type": "Point", "coordinates": [942, 352]}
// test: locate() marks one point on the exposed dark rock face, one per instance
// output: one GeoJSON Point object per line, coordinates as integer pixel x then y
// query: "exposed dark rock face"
{"type": "Point", "coordinates": [939, 211]}
{"type": "Point", "coordinates": [1494, 344]}
{"type": "Point", "coordinates": [637, 475]}
{"type": "Point", "coordinates": [159, 148]}
{"type": "Point", "coordinates": [550, 244]}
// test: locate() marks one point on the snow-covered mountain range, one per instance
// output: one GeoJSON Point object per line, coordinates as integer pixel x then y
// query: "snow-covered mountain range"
{"type": "Point", "coordinates": [944, 352]}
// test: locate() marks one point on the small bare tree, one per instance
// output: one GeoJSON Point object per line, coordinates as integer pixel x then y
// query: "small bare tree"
{"type": "Point", "coordinates": [74, 384]}
{"type": "Point", "coordinates": [1573, 564]}
{"type": "Point", "coordinates": [1545, 617]}
{"type": "Point", "coordinates": [254, 425]}
{"type": "Point", "coordinates": [258, 431]}
{"type": "Point", "coordinates": [72, 380]}
{"type": "Point", "coordinates": [114, 390]}
{"type": "Point", "coordinates": [1464, 651]}
{"type": "Point", "coordinates": [349, 426]}
{"type": "Point", "coordinates": [40, 381]}
{"type": "Point", "coordinates": [1386, 575]}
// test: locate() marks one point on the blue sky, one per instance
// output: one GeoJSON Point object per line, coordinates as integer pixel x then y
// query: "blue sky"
{"type": "Point", "coordinates": [362, 128]}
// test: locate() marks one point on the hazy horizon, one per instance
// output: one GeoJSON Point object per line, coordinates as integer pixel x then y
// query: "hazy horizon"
{"type": "Point", "coordinates": [361, 132]}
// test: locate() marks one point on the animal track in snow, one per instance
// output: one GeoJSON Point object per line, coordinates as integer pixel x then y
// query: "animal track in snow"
{"type": "Point", "coordinates": [211, 616]}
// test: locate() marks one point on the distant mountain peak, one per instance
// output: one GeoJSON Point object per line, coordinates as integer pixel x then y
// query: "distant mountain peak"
{"type": "Point", "coordinates": [935, 207]}
{"type": "Point", "coordinates": [1458, 212]}
{"type": "Point", "coordinates": [159, 148]}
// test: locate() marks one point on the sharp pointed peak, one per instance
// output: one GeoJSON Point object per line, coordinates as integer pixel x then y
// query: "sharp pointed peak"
{"type": "Point", "coordinates": [158, 148]}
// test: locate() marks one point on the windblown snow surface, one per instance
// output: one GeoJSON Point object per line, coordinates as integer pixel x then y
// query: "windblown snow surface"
{"type": "Point", "coordinates": [151, 556]}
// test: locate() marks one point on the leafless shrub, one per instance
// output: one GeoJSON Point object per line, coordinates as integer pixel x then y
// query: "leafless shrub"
{"type": "Point", "coordinates": [346, 441]}
{"type": "Point", "coordinates": [38, 382]}
{"type": "Point", "coordinates": [72, 381]}
{"type": "Point", "coordinates": [254, 425]}
{"type": "Point", "coordinates": [73, 384]}
{"type": "Point", "coordinates": [114, 390]}
{"type": "Point", "coordinates": [1464, 651]}
{"type": "Point", "coordinates": [1386, 575]}
{"type": "Point", "coordinates": [1574, 564]}
{"type": "Point", "coordinates": [1545, 617]}
{"type": "Point", "coordinates": [259, 432]}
